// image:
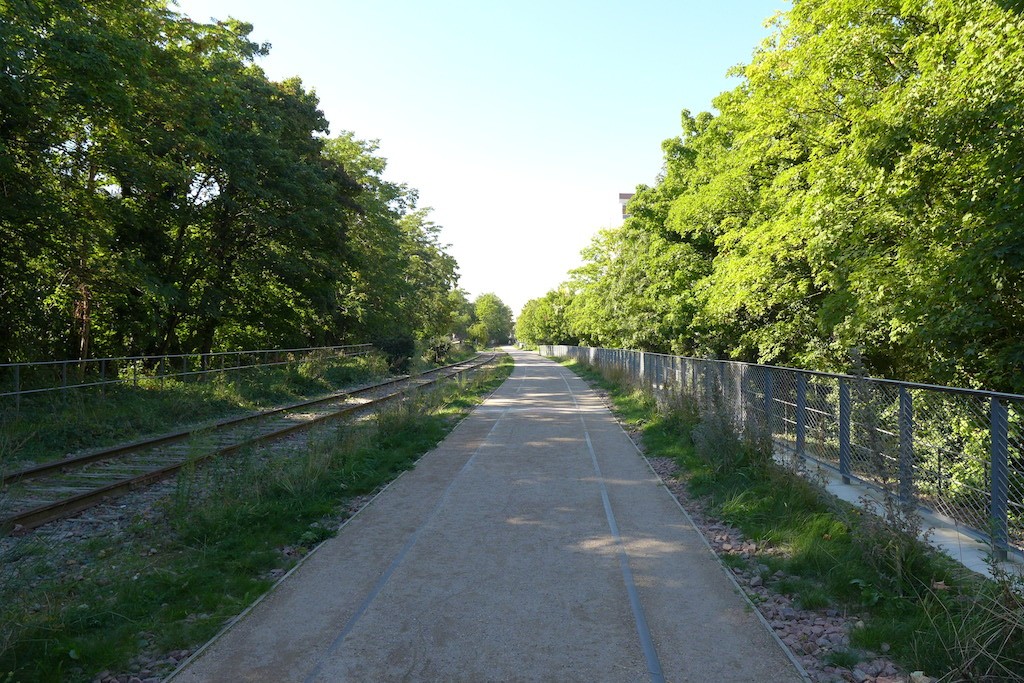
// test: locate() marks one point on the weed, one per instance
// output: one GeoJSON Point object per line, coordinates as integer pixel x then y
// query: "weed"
{"type": "Point", "coordinates": [734, 561]}
{"type": "Point", "coordinates": [171, 580]}
{"type": "Point", "coordinates": [49, 426]}
{"type": "Point", "coordinates": [869, 595]}
{"type": "Point", "coordinates": [846, 659]}
{"type": "Point", "coordinates": [816, 597]}
{"type": "Point", "coordinates": [982, 630]}
{"type": "Point", "coordinates": [316, 533]}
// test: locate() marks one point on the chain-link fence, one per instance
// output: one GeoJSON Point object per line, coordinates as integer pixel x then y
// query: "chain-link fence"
{"type": "Point", "coordinates": [956, 451]}
{"type": "Point", "coordinates": [22, 379]}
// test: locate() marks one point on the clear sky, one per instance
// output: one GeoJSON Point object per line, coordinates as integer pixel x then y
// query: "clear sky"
{"type": "Point", "coordinates": [518, 122]}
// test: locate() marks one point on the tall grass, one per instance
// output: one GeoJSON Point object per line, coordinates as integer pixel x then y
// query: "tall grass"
{"type": "Point", "coordinates": [49, 426]}
{"type": "Point", "coordinates": [174, 577]}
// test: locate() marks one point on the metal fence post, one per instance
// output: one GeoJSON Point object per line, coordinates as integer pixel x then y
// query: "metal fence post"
{"type": "Point", "coordinates": [103, 376]}
{"type": "Point", "coordinates": [744, 396]}
{"type": "Point", "coordinates": [17, 387]}
{"type": "Point", "coordinates": [722, 385]}
{"type": "Point", "coordinates": [709, 386]}
{"type": "Point", "coordinates": [1000, 484]}
{"type": "Point", "coordinates": [906, 464]}
{"type": "Point", "coordinates": [844, 430]}
{"type": "Point", "coordinates": [801, 413]}
{"type": "Point", "coordinates": [642, 360]}
{"type": "Point", "coordinates": [769, 400]}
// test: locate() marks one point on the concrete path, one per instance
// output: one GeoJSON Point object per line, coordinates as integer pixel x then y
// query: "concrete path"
{"type": "Point", "coordinates": [534, 544]}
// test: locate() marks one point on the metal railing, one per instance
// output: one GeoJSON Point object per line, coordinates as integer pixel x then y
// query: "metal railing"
{"type": "Point", "coordinates": [959, 452]}
{"type": "Point", "coordinates": [23, 379]}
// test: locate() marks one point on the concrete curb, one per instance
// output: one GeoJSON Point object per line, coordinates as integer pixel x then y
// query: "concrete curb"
{"type": "Point", "coordinates": [732, 578]}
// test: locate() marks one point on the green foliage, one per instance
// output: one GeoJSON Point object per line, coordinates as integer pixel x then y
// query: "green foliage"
{"type": "Point", "coordinates": [860, 189]}
{"type": "Point", "coordinates": [493, 321]}
{"type": "Point", "coordinates": [161, 194]}
{"type": "Point", "coordinates": [398, 350]}
{"type": "Point", "coordinates": [545, 321]}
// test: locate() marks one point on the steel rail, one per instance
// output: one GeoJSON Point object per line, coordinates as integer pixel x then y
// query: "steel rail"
{"type": "Point", "coordinates": [104, 454]}
{"type": "Point", "coordinates": [36, 516]}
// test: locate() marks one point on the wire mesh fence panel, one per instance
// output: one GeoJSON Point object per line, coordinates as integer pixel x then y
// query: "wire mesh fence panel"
{"type": "Point", "coordinates": [19, 380]}
{"type": "Point", "coordinates": [822, 419]}
{"type": "Point", "coordinates": [759, 400]}
{"type": "Point", "coordinates": [1015, 478]}
{"type": "Point", "coordinates": [874, 433]}
{"type": "Point", "coordinates": [730, 379]}
{"type": "Point", "coordinates": [662, 378]}
{"type": "Point", "coordinates": [784, 409]}
{"type": "Point", "coordinates": [952, 449]}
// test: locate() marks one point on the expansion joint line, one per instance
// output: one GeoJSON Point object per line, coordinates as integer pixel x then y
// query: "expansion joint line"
{"type": "Point", "coordinates": [642, 629]}
{"type": "Point", "coordinates": [399, 558]}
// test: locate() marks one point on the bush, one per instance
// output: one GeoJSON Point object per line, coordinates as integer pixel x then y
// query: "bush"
{"type": "Point", "coordinates": [437, 351]}
{"type": "Point", "coordinates": [399, 350]}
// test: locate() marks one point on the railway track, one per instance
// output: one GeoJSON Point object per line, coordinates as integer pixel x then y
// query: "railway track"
{"type": "Point", "coordinates": [44, 493]}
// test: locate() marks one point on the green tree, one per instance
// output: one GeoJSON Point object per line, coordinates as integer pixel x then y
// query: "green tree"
{"type": "Point", "coordinates": [494, 317]}
{"type": "Point", "coordinates": [859, 190]}
{"type": "Point", "coordinates": [399, 280]}
{"type": "Point", "coordinates": [161, 194]}
{"type": "Point", "coordinates": [463, 313]}
{"type": "Point", "coordinates": [68, 71]}
{"type": "Point", "coordinates": [545, 320]}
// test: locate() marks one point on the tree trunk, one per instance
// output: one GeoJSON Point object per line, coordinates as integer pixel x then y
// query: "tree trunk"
{"type": "Point", "coordinates": [81, 327]}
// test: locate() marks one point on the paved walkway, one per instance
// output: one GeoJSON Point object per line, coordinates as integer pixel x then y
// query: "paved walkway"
{"type": "Point", "coordinates": [533, 544]}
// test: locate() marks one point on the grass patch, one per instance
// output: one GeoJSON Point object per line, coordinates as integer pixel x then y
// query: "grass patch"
{"type": "Point", "coordinates": [49, 426]}
{"type": "Point", "coordinates": [173, 578]}
{"type": "Point", "coordinates": [931, 613]}
{"type": "Point", "coordinates": [843, 658]}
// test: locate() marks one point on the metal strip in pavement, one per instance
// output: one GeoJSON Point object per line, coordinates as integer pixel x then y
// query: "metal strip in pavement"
{"type": "Point", "coordinates": [737, 588]}
{"type": "Point", "coordinates": [397, 561]}
{"type": "Point", "coordinates": [642, 629]}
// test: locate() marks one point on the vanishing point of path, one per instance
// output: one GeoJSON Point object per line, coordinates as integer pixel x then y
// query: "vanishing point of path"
{"type": "Point", "coordinates": [533, 544]}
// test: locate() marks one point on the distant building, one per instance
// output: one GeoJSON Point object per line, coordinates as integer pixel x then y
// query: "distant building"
{"type": "Point", "coordinates": [624, 198]}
